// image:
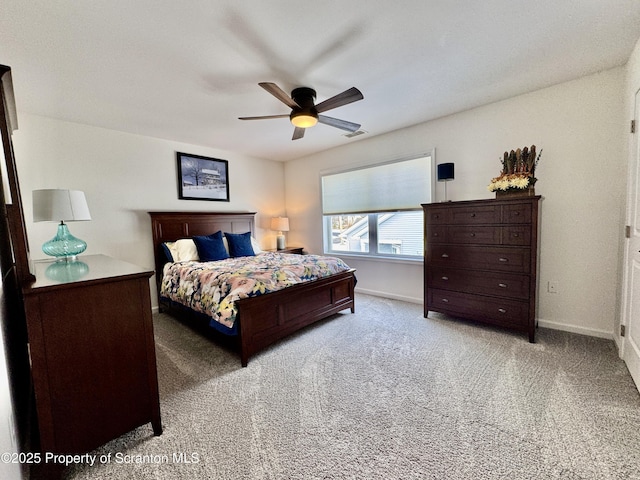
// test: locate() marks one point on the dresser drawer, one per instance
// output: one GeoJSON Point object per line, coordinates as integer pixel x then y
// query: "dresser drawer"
{"type": "Point", "coordinates": [479, 235]}
{"type": "Point", "coordinates": [436, 234]}
{"type": "Point", "coordinates": [516, 213]}
{"type": "Point", "coordinates": [487, 235]}
{"type": "Point", "coordinates": [475, 215]}
{"type": "Point", "coordinates": [516, 235]}
{"type": "Point", "coordinates": [485, 283]}
{"type": "Point", "coordinates": [436, 216]}
{"type": "Point", "coordinates": [499, 311]}
{"type": "Point", "coordinates": [470, 234]}
{"type": "Point", "coordinates": [505, 259]}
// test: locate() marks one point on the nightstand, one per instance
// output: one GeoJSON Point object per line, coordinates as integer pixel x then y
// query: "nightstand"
{"type": "Point", "coordinates": [292, 250]}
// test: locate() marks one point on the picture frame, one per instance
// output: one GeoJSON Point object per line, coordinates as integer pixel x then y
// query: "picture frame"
{"type": "Point", "coordinates": [202, 178]}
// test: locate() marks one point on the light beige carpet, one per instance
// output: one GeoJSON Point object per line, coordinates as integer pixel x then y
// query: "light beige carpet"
{"type": "Point", "coordinates": [386, 394]}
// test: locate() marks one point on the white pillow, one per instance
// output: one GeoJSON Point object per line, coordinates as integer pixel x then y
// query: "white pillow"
{"type": "Point", "coordinates": [184, 250]}
{"type": "Point", "coordinates": [256, 246]}
{"type": "Point", "coordinates": [171, 247]}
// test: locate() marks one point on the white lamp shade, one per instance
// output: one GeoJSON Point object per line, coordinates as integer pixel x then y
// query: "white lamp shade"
{"type": "Point", "coordinates": [55, 205]}
{"type": "Point", "coordinates": [280, 224]}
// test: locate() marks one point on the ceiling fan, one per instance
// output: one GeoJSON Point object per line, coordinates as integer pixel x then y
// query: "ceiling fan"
{"type": "Point", "coordinates": [304, 113]}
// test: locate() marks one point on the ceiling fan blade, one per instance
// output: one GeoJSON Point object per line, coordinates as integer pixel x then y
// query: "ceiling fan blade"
{"type": "Point", "coordinates": [298, 133]}
{"type": "Point", "coordinates": [336, 122]}
{"type": "Point", "coordinates": [265, 117]}
{"type": "Point", "coordinates": [344, 98]}
{"type": "Point", "coordinates": [277, 92]}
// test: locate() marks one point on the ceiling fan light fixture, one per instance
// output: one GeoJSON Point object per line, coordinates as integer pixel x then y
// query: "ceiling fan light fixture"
{"type": "Point", "coordinates": [305, 113]}
{"type": "Point", "coordinates": [304, 119]}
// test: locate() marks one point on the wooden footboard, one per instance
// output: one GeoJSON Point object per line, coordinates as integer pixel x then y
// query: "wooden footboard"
{"type": "Point", "coordinates": [268, 318]}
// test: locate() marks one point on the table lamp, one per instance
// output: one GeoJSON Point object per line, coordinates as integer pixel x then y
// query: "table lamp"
{"type": "Point", "coordinates": [281, 224]}
{"type": "Point", "coordinates": [56, 205]}
{"type": "Point", "coordinates": [445, 174]}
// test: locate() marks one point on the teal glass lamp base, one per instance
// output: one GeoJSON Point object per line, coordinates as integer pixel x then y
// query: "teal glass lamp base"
{"type": "Point", "coordinates": [64, 246]}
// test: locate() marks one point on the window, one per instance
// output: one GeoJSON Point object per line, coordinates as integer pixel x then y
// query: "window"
{"type": "Point", "coordinates": [375, 210]}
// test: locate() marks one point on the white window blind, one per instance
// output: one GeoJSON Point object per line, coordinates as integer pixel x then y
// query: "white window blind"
{"type": "Point", "coordinates": [393, 186]}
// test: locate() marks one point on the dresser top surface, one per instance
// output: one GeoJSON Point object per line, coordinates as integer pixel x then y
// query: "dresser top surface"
{"type": "Point", "coordinates": [485, 201]}
{"type": "Point", "coordinates": [87, 268]}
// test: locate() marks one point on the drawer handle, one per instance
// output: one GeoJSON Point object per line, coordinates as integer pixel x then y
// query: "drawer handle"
{"type": "Point", "coordinates": [502, 310]}
{"type": "Point", "coordinates": [516, 213]}
{"type": "Point", "coordinates": [502, 259]}
{"type": "Point", "coordinates": [473, 214]}
{"type": "Point", "coordinates": [445, 300]}
{"type": "Point", "coordinates": [473, 234]}
{"type": "Point", "coordinates": [445, 255]}
{"type": "Point", "coordinates": [436, 216]}
{"type": "Point", "coordinates": [502, 285]}
{"type": "Point", "coordinates": [445, 278]}
{"type": "Point", "coordinates": [516, 235]}
{"type": "Point", "coordinates": [435, 234]}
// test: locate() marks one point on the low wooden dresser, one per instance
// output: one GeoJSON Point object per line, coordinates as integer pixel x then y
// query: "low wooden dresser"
{"type": "Point", "coordinates": [481, 261]}
{"type": "Point", "coordinates": [92, 352]}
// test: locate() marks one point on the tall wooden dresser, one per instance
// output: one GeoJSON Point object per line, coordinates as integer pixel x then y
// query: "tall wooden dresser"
{"type": "Point", "coordinates": [481, 261]}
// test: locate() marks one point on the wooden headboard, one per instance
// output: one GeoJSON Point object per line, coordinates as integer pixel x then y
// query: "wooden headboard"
{"type": "Point", "coordinates": [172, 226]}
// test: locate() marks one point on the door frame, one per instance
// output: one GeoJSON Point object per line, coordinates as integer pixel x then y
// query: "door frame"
{"type": "Point", "coordinates": [627, 352]}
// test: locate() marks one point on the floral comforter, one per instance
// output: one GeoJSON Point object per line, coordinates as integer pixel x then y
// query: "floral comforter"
{"type": "Point", "coordinates": [213, 287]}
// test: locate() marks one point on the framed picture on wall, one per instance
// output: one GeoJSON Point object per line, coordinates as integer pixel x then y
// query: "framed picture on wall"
{"type": "Point", "coordinates": [202, 178]}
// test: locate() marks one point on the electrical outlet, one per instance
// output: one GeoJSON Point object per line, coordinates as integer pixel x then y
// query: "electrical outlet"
{"type": "Point", "coordinates": [552, 287]}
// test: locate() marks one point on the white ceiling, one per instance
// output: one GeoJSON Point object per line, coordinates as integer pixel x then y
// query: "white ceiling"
{"type": "Point", "coordinates": [185, 70]}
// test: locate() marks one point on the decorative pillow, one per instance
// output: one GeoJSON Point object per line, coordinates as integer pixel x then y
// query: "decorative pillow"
{"type": "Point", "coordinates": [256, 246]}
{"type": "Point", "coordinates": [166, 250]}
{"type": "Point", "coordinates": [240, 244]}
{"type": "Point", "coordinates": [184, 250]}
{"type": "Point", "coordinates": [211, 247]}
{"type": "Point", "coordinates": [254, 243]}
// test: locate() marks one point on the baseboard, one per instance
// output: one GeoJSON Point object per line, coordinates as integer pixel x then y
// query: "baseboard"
{"type": "Point", "coordinates": [392, 296]}
{"type": "Point", "coordinates": [618, 340]}
{"type": "Point", "coordinates": [565, 327]}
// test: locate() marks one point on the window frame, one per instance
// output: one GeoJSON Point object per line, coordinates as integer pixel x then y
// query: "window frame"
{"type": "Point", "coordinates": [373, 217]}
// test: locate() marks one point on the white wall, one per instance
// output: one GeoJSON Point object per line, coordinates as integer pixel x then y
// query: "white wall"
{"type": "Point", "coordinates": [579, 125]}
{"type": "Point", "coordinates": [124, 176]}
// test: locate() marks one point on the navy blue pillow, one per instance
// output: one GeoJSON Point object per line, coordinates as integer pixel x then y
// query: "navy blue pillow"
{"type": "Point", "coordinates": [240, 244]}
{"type": "Point", "coordinates": [166, 253]}
{"type": "Point", "coordinates": [210, 247]}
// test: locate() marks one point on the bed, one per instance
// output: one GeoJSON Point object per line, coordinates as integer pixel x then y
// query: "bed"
{"type": "Point", "coordinates": [265, 319]}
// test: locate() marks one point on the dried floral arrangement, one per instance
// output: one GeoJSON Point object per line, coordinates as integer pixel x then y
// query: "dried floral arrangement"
{"type": "Point", "coordinates": [518, 170]}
